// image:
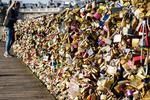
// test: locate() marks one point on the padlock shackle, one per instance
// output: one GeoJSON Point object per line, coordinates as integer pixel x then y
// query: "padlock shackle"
{"type": "Point", "coordinates": [146, 72]}
{"type": "Point", "coordinates": [143, 23]}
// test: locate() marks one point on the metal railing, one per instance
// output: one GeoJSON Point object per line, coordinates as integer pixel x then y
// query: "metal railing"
{"type": "Point", "coordinates": [40, 10]}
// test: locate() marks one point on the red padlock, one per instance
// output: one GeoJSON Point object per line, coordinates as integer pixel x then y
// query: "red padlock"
{"type": "Point", "coordinates": [136, 60]}
{"type": "Point", "coordinates": [147, 38]}
{"type": "Point", "coordinates": [141, 30]}
{"type": "Point", "coordinates": [86, 55]}
{"type": "Point", "coordinates": [83, 13]}
{"type": "Point", "coordinates": [81, 54]}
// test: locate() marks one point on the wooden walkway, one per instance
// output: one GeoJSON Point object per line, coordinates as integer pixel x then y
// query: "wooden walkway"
{"type": "Point", "coordinates": [17, 81]}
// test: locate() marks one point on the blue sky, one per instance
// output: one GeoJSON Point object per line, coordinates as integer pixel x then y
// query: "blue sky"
{"type": "Point", "coordinates": [28, 1]}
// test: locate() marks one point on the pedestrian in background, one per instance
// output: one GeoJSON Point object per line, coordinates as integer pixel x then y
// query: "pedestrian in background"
{"type": "Point", "coordinates": [10, 19]}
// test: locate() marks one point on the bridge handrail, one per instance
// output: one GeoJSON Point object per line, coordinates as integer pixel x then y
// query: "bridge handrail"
{"type": "Point", "coordinates": [40, 10]}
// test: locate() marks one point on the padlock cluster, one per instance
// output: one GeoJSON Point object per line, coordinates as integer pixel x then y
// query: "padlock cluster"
{"type": "Point", "coordinates": [96, 52]}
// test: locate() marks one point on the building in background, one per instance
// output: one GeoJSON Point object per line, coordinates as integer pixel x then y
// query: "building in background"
{"type": "Point", "coordinates": [49, 4]}
{"type": "Point", "coordinates": [30, 10]}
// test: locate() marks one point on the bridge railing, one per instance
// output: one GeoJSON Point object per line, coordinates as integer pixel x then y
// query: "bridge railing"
{"type": "Point", "coordinates": [40, 10]}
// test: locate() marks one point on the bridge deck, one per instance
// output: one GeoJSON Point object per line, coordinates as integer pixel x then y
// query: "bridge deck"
{"type": "Point", "coordinates": [17, 82]}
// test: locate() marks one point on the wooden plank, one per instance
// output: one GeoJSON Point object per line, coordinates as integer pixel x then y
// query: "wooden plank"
{"type": "Point", "coordinates": [17, 82]}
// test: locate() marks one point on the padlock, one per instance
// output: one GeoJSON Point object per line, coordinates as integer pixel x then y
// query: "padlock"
{"type": "Point", "coordinates": [96, 15]}
{"type": "Point", "coordinates": [73, 27]}
{"type": "Point", "coordinates": [83, 43]}
{"type": "Point", "coordinates": [103, 97]}
{"type": "Point", "coordinates": [117, 38]}
{"type": "Point", "coordinates": [111, 70]}
{"type": "Point", "coordinates": [136, 60]}
{"type": "Point", "coordinates": [108, 41]}
{"type": "Point", "coordinates": [85, 55]}
{"type": "Point", "coordinates": [147, 38]}
{"type": "Point", "coordinates": [135, 42]}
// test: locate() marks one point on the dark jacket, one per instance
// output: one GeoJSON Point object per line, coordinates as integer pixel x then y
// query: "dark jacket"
{"type": "Point", "coordinates": [11, 19]}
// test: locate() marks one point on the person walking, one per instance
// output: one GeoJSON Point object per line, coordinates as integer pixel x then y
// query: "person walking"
{"type": "Point", "coordinates": [10, 19]}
